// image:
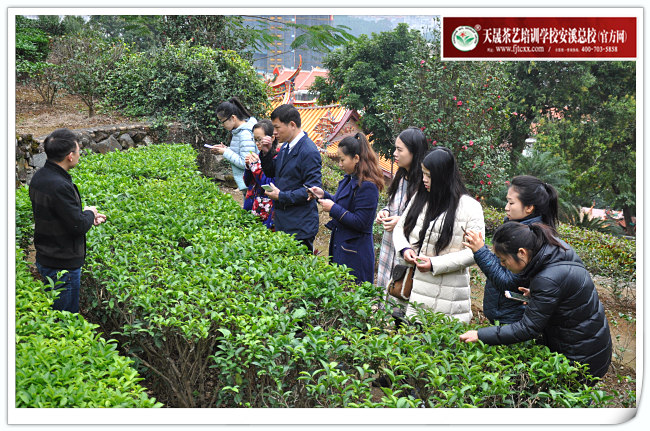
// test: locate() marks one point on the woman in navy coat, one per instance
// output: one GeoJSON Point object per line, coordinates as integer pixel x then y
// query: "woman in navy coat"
{"type": "Point", "coordinates": [353, 207]}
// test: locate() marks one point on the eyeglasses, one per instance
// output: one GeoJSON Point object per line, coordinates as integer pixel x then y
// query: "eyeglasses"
{"type": "Point", "coordinates": [224, 121]}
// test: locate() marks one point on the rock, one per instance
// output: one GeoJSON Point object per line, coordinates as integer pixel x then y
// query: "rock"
{"type": "Point", "coordinates": [38, 160]}
{"type": "Point", "coordinates": [100, 135]}
{"type": "Point", "coordinates": [106, 145]}
{"type": "Point", "coordinates": [126, 141]}
{"type": "Point", "coordinates": [85, 140]}
{"type": "Point", "coordinates": [113, 144]}
{"type": "Point", "coordinates": [137, 135]}
{"type": "Point", "coordinates": [147, 140]}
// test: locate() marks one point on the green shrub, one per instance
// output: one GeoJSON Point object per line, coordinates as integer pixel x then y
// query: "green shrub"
{"type": "Point", "coordinates": [221, 312]}
{"type": "Point", "coordinates": [85, 61]}
{"type": "Point", "coordinates": [428, 365]}
{"type": "Point", "coordinates": [185, 83]}
{"type": "Point", "coordinates": [24, 218]}
{"type": "Point", "coordinates": [61, 361]}
{"type": "Point", "coordinates": [32, 46]}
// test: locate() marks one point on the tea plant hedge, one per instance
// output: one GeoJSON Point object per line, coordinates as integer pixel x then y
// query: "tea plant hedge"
{"type": "Point", "coordinates": [60, 359]}
{"type": "Point", "coordinates": [218, 311]}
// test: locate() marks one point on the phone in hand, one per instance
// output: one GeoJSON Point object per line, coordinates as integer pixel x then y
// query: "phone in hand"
{"type": "Point", "coordinates": [420, 260]}
{"type": "Point", "coordinates": [516, 296]}
{"type": "Point", "coordinates": [209, 146]}
{"type": "Point", "coordinates": [309, 191]}
{"type": "Point", "coordinates": [267, 187]}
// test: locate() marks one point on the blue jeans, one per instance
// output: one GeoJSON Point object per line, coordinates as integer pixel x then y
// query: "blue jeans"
{"type": "Point", "coordinates": [68, 299]}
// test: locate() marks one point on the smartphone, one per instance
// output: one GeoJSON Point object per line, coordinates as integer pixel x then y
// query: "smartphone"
{"type": "Point", "coordinates": [309, 191]}
{"type": "Point", "coordinates": [516, 296]}
{"type": "Point", "coordinates": [420, 260]}
{"type": "Point", "coordinates": [464, 231]}
{"type": "Point", "coordinates": [209, 146]}
{"type": "Point", "coordinates": [267, 187]}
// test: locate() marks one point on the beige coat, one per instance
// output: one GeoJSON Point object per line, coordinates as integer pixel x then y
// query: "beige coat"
{"type": "Point", "coordinates": [446, 288]}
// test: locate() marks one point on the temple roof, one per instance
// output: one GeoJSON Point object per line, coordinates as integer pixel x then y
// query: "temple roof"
{"type": "Point", "coordinates": [303, 79]}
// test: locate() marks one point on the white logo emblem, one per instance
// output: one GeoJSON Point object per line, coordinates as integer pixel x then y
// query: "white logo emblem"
{"type": "Point", "coordinates": [464, 38]}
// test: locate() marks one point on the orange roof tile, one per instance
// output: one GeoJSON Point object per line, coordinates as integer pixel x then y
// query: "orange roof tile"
{"type": "Point", "coordinates": [306, 78]}
{"type": "Point", "coordinates": [312, 117]}
{"type": "Point", "coordinates": [303, 78]}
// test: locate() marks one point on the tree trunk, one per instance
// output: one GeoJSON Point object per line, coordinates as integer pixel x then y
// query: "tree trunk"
{"type": "Point", "coordinates": [627, 216]}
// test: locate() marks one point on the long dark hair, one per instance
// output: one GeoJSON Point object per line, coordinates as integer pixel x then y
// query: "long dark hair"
{"type": "Point", "coordinates": [368, 167]}
{"type": "Point", "coordinates": [543, 196]}
{"type": "Point", "coordinates": [232, 107]}
{"type": "Point", "coordinates": [442, 198]}
{"type": "Point", "coordinates": [416, 144]}
{"type": "Point", "coordinates": [512, 236]}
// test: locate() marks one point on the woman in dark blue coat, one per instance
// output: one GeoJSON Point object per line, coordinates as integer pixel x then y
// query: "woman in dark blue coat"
{"type": "Point", "coordinates": [353, 207]}
{"type": "Point", "coordinates": [529, 200]}
{"type": "Point", "coordinates": [564, 306]}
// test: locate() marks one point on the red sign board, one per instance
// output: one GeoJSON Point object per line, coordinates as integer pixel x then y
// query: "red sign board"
{"type": "Point", "coordinates": [538, 37]}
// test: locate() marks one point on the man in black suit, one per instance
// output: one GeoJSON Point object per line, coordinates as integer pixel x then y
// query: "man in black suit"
{"type": "Point", "coordinates": [298, 164]}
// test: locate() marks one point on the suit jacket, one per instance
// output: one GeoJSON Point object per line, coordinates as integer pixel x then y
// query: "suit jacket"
{"type": "Point", "coordinates": [294, 214]}
{"type": "Point", "coordinates": [352, 215]}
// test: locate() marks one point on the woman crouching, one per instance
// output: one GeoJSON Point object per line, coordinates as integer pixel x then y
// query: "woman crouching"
{"type": "Point", "coordinates": [564, 306]}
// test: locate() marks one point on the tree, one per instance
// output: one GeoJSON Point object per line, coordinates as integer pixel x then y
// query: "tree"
{"type": "Point", "coordinates": [185, 83]}
{"type": "Point", "coordinates": [597, 138]}
{"type": "Point", "coordinates": [459, 105]}
{"type": "Point", "coordinates": [359, 73]}
{"type": "Point", "coordinates": [139, 31]}
{"type": "Point", "coordinates": [541, 89]}
{"type": "Point", "coordinates": [85, 63]}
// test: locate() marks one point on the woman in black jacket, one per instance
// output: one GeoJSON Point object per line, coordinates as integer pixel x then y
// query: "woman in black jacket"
{"type": "Point", "coordinates": [563, 307]}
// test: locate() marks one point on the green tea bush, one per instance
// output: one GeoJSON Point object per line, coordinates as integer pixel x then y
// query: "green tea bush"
{"type": "Point", "coordinates": [220, 312]}
{"type": "Point", "coordinates": [61, 361]}
{"type": "Point", "coordinates": [603, 254]}
{"type": "Point", "coordinates": [426, 365]}
{"type": "Point", "coordinates": [24, 218]}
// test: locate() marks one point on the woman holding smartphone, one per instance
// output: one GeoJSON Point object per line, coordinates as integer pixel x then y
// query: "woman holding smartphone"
{"type": "Point", "coordinates": [353, 207]}
{"type": "Point", "coordinates": [410, 149]}
{"type": "Point", "coordinates": [564, 306]}
{"type": "Point", "coordinates": [235, 118]}
{"type": "Point", "coordinates": [430, 234]}
{"type": "Point", "coordinates": [529, 200]}
{"type": "Point", "coordinates": [256, 200]}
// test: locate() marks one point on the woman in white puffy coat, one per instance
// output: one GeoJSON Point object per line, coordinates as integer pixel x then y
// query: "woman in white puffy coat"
{"type": "Point", "coordinates": [431, 233]}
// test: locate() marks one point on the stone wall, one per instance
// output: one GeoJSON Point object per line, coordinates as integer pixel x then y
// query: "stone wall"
{"type": "Point", "coordinates": [30, 154]}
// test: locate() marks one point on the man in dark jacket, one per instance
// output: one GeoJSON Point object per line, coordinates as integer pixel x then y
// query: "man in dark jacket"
{"type": "Point", "coordinates": [60, 225]}
{"type": "Point", "coordinates": [298, 164]}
